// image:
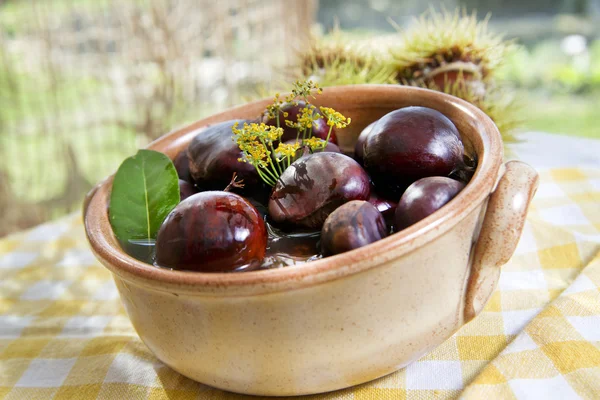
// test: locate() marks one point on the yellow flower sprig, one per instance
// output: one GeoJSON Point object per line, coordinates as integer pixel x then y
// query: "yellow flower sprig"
{"type": "Point", "coordinates": [256, 143]}
{"type": "Point", "coordinates": [287, 149]}
{"type": "Point", "coordinates": [315, 143]}
{"type": "Point", "coordinates": [286, 153]}
{"type": "Point", "coordinates": [304, 89]}
{"type": "Point", "coordinates": [304, 122]}
{"type": "Point", "coordinates": [274, 109]}
{"type": "Point", "coordinates": [257, 140]}
{"type": "Point", "coordinates": [334, 118]}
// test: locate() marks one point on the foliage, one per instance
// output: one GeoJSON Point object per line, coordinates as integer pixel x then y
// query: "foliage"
{"type": "Point", "coordinates": [144, 191]}
{"type": "Point", "coordinates": [452, 52]}
{"type": "Point", "coordinates": [546, 67]}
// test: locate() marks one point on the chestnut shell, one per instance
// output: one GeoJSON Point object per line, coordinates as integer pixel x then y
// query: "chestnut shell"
{"type": "Point", "coordinates": [214, 157]}
{"type": "Point", "coordinates": [315, 185]}
{"type": "Point", "coordinates": [212, 232]}
{"type": "Point", "coordinates": [182, 165]}
{"type": "Point", "coordinates": [384, 205]}
{"type": "Point", "coordinates": [423, 198]}
{"type": "Point", "coordinates": [186, 189]}
{"type": "Point", "coordinates": [359, 150]}
{"type": "Point", "coordinates": [353, 225]}
{"type": "Point", "coordinates": [409, 144]}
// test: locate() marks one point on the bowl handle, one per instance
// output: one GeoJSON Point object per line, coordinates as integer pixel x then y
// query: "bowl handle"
{"type": "Point", "coordinates": [500, 232]}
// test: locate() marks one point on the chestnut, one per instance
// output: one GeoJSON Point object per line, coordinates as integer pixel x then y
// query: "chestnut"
{"type": "Point", "coordinates": [212, 232]}
{"type": "Point", "coordinates": [353, 225]}
{"type": "Point", "coordinates": [182, 165]}
{"type": "Point", "coordinates": [360, 143]}
{"type": "Point", "coordinates": [315, 185]}
{"type": "Point", "coordinates": [423, 198]}
{"type": "Point", "coordinates": [186, 189]}
{"type": "Point", "coordinates": [214, 157]}
{"type": "Point", "coordinates": [409, 144]}
{"type": "Point", "coordinates": [385, 206]}
{"type": "Point", "coordinates": [320, 128]}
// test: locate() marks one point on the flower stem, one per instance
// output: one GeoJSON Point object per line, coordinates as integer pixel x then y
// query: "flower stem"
{"type": "Point", "coordinates": [271, 174]}
{"type": "Point", "coordinates": [328, 135]}
{"type": "Point", "coordinates": [265, 178]}
{"type": "Point", "coordinates": [270, 159]}
{"type": "Point", "coordinates": [273, 153]}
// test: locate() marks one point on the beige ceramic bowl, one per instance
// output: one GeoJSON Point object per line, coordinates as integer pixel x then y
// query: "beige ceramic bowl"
{"type": "Point", "coordinates": [342, 320]}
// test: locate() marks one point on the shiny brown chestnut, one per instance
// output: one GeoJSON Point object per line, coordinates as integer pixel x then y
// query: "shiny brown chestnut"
{"type": "Point", "coordinates": [214, 157]}
{"type": "Point", "coordinates": [352, 225]}
{"type": "Point", "coordinates": [212, 232]}
{"type": "Point", "coordinates": [359, 150]}
{"type": "Point", "coordinates": [186, 189]}
{"type": "Point", "coordinates": [409, 144]}
{"type": "Point", "coordinates": [423, 198]}
{"type": "Point", "coordinates": [385, 206]}
{"type": "Point", "coordinates": [315, 185]}
{"type": "Point", "coordinates": [182, 165]}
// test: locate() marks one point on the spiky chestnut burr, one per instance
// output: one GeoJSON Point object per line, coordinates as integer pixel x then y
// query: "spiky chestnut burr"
{"type": "Point", "coordinates": [455, 53]}
{"type": "Point", "coordinates": [498, 102]}
{"type": "Point", "coordinates": [337, 59]}
{"type": "Point", "coordinates": [450, 52]}
{"type": "Point", "coordinates": [441, 45]}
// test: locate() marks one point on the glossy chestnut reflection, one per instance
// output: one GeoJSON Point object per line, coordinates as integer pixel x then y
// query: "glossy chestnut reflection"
{"type": "Point", "coordinates": [214, 155]}
{"type": "Point", "coordinates": [385, 206]}
{"type": "Point", "coordinates": [423, 198]}
{"type": "Point", "coordinates": [212, 232]}
{"type": "Point", "coordinates": [315, 185]}
{"type": "Point", "coordinates": [411, 143]}
{"type": "Point", "coordinates": [359, 150]}
{"type": "Point", "coordinates": [353, 225]}
{"type": "Point", "coordinates": [320, 128]}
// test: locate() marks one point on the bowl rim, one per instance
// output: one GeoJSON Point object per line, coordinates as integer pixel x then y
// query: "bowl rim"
{"type": "Point", "coordinates": [106, 249]}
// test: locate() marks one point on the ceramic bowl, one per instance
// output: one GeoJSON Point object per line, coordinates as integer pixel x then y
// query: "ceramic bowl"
{"type": "Point", "coordinates": [342, 320]}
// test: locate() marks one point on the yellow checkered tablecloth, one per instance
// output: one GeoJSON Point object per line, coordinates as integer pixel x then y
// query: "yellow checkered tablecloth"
{"type": "Point", "coordinates": [65, 335]}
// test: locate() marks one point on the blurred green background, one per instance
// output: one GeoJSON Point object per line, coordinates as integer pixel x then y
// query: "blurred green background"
{"type": "Point", "coordinates": [556, 70]}
{"type": "Point", "coordinates": [84, 83]}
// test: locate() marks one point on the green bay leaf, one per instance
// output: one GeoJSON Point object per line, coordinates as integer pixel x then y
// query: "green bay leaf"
{"type": "Point", "coordinates": [144, 191]}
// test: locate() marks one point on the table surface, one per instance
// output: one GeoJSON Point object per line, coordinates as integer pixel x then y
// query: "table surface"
{"type": "Point", "coordinates": [65, 335]}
